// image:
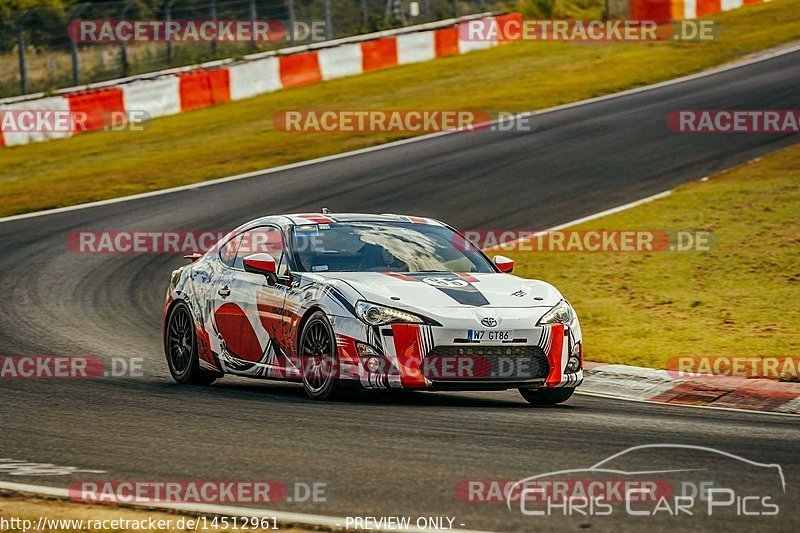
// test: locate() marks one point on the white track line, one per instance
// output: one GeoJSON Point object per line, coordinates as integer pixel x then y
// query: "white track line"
{"type": "Point", "coordinates": [762, 57]}
{"type": "Point", "coordinates": [623, 207]}
{"type": "Point", "coordinates": [331, 522]}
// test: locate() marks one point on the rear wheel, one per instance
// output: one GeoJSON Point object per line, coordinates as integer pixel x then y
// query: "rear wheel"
{"type": "Point", "coordinates": [546, 396]}
{"type": "Point", "coordinates": [180, 347]}
{"type": "Point", "coordinates": [320, 363]}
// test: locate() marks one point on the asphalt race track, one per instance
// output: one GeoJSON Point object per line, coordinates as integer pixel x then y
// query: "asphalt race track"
{"type": "Point", "coordinates": [403, 455]}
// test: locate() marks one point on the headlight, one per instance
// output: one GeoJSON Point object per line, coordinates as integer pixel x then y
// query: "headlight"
{"type": "Point", "coordinates": [378, 315]}
{"type": "Point", "coordinates": [561, 313]}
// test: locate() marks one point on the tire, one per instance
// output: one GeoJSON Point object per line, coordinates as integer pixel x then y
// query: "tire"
{"type": "Point", "coordinates": [547, 396]}
{"type": "Point", "coordinates": [180, 348]}
{"type": "Point", "coordinates": [319, 359]}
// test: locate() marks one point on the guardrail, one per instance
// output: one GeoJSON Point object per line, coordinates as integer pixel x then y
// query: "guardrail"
{"type": "Point", "coordinates": [178, 90]}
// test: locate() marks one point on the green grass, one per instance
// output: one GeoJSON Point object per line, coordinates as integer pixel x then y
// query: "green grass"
{"type": "Point", "coordinates": [239, 137]}
{"type": "Point", "coordinates": [741, 298]}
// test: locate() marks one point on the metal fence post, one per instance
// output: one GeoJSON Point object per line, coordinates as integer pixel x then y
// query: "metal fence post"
{"type": "Point", "coordinates": [326, 9]}
{"type": "Point", "coordinates": [253, 17]}
{"type": "Point", "coordinates": [214, 17]}
{"type": "Point", "coordinates": [394, 12]}
{"type": "Point", "coordinates": [167, 19]}
{"type": "Point", "coordinates": [124, 45]}
{"type": "Point", "coordinates": [23, 66]}
{"type": "Point", "coordinates": [290, 8]}
{"type": "Point", "coordinates": [364, 13]}
{"type": "Point", "coordinates": [73, 46]}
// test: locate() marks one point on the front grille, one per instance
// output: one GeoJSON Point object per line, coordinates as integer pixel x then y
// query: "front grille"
{"type": "Point", "coordinates": [485, 363]}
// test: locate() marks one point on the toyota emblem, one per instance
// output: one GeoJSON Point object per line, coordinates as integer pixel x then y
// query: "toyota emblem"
{"type": "Point", "coordinates": [489, 322]}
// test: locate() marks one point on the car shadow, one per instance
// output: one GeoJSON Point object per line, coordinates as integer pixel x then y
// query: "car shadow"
{"type": "Point", "coordinates": [282, 392]}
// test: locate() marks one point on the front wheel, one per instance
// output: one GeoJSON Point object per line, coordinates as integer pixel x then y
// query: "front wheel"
{"type": "Point", "coordinates": [546, 396]}
{"type": "Point", "coordinates": [180, 347]}
{"type": "Point", "coordinates": [319, 360]}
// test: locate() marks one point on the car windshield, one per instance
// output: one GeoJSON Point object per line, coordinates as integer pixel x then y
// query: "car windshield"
{"type": "Point", "coordinates": [385, 247]}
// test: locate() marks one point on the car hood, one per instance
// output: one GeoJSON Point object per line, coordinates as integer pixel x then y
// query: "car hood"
{"type": "Point", "coordinates": [432, 291]}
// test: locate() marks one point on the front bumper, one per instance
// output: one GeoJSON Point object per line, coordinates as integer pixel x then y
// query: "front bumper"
{"type": "Point", "coordinates": [439, 358]}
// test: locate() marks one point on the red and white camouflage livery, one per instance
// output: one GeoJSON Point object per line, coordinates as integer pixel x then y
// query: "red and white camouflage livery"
{"type": "Point", "coordinates": [348, 301]}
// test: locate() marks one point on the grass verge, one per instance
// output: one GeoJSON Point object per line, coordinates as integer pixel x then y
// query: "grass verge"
{"type": "Point", "coordinates": [739, 299]}
{"type": "Point", "coordinates": [239, 137]}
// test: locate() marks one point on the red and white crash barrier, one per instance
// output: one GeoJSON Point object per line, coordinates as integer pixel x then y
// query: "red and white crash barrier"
{"type": "Point", "coordinates": [340, 61]}
{"type": "Point", "coordinates": [158, 97]}
{"type": "Point", "coordinates": [683, 9]}
{"type": "Point", "coordinates": [196, 88]}
{"type": "Point", "coordinates": [254, 77]}
{"type": "Point", "coordinates": [55, 103]}
{"type": "Point", "coordinates": [416, 47]}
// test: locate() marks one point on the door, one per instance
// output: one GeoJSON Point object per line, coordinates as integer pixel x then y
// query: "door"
{"type": "Point", "coordinates": [248, 310]}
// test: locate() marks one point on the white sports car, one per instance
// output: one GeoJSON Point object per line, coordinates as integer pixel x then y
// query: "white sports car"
{"type": "Point", "coordinates": [344, 301]}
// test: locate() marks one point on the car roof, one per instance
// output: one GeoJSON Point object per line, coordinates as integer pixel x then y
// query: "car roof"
{"type": "Point", "coordinates": [323, 218]}
{"type": "Point", "coordinates": [300, 219]}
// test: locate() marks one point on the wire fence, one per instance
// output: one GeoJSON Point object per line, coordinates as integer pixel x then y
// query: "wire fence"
{"type": "Point", "coordinates": [38, 55]}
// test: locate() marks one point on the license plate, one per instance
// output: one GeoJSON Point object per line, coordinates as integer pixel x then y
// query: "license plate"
{"type": "Point", "coordinates": [494, 335]}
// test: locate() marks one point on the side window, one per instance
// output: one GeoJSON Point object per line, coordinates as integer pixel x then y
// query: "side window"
{"type": "Point", "coordinates": [263, 239]}
{"type": "Point", "coordinates": [227, 254]}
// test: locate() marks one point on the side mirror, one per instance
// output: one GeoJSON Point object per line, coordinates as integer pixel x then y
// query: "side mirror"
{"type": "Point", "coordinates": [262, 264]}
{"type": "Point", "coordinates": [503, 263]}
